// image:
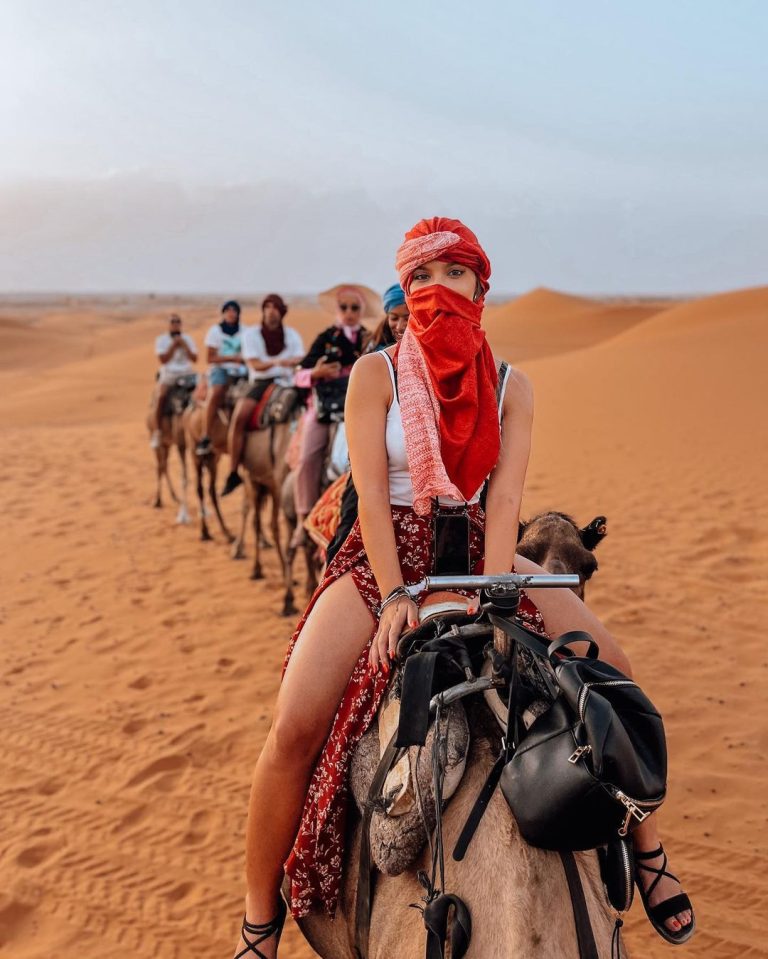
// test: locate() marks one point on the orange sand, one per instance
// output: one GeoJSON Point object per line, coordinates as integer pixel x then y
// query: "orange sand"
{"type": "Point", "coordinates": [139, 665]}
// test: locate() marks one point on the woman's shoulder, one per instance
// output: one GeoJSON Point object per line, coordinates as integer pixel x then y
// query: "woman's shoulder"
{"type": "Point", "coordinates": [372, 364]}
{"type": "Point", "coordinates": [519, 389]}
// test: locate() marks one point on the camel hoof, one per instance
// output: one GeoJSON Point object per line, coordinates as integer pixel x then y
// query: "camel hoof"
{"type": "Point", "coordinates": [257, 574]}
{"type": "Point", "coordinates": [264, 543]}
{"type": "Point", "coordinates": [205, 536]}
{"type": "Point", "coordinates": [237, 551]}
{"type": "Point", "coordinates": [230, 538]}
{"type": "Point", "coordinates": [289, 610]}
{"type": "Point", "coordinates": [157, 504]}
{"type": "Point", "coordinates": [183, 517]}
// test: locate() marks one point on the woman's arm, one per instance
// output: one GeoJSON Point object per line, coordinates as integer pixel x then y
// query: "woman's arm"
{"type": "Point", "coordinates": [365, 415]}
{"type": "Point", "coordinates": [505, 490]}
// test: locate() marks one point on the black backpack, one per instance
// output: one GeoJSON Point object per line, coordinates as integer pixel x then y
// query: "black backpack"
{"type": "Point", "coordinates": [594, 765]}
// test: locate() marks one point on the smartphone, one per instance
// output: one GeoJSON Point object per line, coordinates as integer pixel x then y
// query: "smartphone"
{"type": "Point", "coordinates": [176, 333]}
{"type": "Point", "coordinates": [451, 540]}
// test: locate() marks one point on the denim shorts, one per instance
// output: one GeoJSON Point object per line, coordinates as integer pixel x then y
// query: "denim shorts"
{"type": "Point", "coordinates": [218, 376]}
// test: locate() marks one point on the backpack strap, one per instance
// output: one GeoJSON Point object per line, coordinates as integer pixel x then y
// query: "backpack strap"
{"type": "Point", "coordinates": [503, 369]}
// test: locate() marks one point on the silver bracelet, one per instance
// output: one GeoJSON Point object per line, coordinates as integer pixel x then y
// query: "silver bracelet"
{"type": "Point", "coordinates": [397, 593]}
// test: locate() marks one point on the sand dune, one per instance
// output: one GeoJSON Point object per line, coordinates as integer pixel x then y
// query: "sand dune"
{"type": "Point", "coordinates": [139, 665]}
{"type": "Point", "coordinates": [545, 322]}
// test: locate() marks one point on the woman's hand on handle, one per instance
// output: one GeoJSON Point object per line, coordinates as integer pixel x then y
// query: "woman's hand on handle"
{"type": "Point", "coordinates": [395, 616]}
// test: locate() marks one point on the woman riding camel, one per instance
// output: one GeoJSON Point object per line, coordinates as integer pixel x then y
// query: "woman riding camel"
{"type": "Point", "coordinates": [423, 426]}
{"type": "Point", "coordinates": [329, 361]}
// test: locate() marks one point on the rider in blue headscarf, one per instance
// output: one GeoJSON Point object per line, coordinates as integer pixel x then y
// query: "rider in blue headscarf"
{"type": "Point", "coordinates": [392, 327]}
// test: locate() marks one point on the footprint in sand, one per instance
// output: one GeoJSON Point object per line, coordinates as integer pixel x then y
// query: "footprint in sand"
{"type": "Point", "coordinates": [49, 787]}
{"type": "Point", "coordinates": [199, 827]}
{"type": "Point", "coordinates": [161, 775]}
{"type": "Point", "coordinates": [132, 818]}
{"type": "Point", "coordinates": [13, 916]}
{"type": "Point", "coordinates": [179, 892]}
{"type": "Point", "coordinates": [35, 855]}
{"type": "Point", "coordinates": [134, 726]}
{"type": "Point", "coordinates": [143, 682]}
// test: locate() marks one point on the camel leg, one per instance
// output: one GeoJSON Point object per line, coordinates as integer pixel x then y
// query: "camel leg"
{"type": "Point", "coordinates": [289, 606]}
{"type": "Point", "coordinates": [168, 480]}
{"type": "Point", "coordinates": [257, 572]}
{"type": "Point", "coordinates": [310, 555]}
{"type": "Point", "coordinates": [214, 496]}
{"type": "Point", "coordinates": [264, 542]}
{"type": "Point", "coordinates": [182, 516]}
{"type": "Point", "coordinates": [238, 547]}
{"type": "Point", "coordinates": [205, 533]}
{"type": "Point", "coordinates": [158, 503]}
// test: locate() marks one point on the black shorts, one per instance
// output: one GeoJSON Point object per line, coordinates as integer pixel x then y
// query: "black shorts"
{"type": "Point", "coordinates": [258, 389]}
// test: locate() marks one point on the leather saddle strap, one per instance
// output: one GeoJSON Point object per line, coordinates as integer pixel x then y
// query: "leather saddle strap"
{"type": "Point", "coordinates": [414, 703]}
{"type": "Point", "coordinates": [511, 740]}
{"type": "Point", "coordinates": [584, 934]}
{"type": "Point", "coordinates": [436, 920]}
{"type": "Point", "coordinates": [390, 757]}
{"type": "Point", "coordinates": [478, 810]}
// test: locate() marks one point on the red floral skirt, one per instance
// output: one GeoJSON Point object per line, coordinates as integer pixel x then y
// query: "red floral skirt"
{"type": "Point", "coordinates": [314, 866]}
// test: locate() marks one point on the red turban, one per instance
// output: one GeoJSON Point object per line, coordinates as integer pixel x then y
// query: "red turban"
{"type": "Point", "coordinates": [446, 371]}
{"type": "Point", "coordinates": [440, 238]}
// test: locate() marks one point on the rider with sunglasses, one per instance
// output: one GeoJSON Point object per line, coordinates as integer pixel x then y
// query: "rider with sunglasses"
{"type": "Point", "coordinates": [329, 358]}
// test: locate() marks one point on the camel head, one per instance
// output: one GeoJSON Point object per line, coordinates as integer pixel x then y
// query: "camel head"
{"type": "Point", "coordinates": [554, 541]}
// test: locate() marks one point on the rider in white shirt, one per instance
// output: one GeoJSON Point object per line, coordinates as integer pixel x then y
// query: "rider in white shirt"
{"type": "Point", "coordinates": [271, 352]}
{"type": "Point", "coordinates": [177, 354]}
{"type": "Point", "coordinates": [224, 354]}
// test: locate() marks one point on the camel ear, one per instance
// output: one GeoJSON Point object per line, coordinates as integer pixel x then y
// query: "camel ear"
{"type": "Point", "coordinates": [593, 532]}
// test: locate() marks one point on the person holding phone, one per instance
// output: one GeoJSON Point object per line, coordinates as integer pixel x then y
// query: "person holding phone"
{"type": "Point", "coordinates": [425, 432]}
{"type": "Point", "coordinates": [177, 354]}
{"type": "Point", "coordinates": [325, 372]}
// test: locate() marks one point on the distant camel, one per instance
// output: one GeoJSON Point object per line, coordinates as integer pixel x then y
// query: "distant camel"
{"type": "Point", "coordinates": [172, 435]}
{"type": "Point", "coordinates": [555, 542]}
{"type": "Point", "coordinates": [265, 470]}
{"type": "Point", "coordinates": [194, 429]}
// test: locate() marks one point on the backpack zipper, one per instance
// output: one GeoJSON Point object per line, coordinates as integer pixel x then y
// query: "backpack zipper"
{"type": "Point", "coordinates": [584, 691]}
{"type": "Point", "coordinates": [634, 809]}
{"type": "Point", "coordinates": [628, 878]}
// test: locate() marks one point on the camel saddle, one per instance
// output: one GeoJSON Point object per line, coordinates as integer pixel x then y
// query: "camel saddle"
{"type": "Point", "coordinates": [275, 406]}
{"type": "Point", "coordinates": [178, 397]}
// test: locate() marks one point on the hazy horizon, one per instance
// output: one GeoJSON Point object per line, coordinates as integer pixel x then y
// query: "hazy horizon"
{"type": "Point", "coordinates": [181, 148]}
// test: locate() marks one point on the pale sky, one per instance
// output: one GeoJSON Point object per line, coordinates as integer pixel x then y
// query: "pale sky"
{"type": "Point", "coordinates": [248, 145]}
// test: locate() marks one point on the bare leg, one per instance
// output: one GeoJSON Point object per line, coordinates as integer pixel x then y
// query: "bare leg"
{"type": "Point", "coordinates": [308, 473]}
{"type": "Point", "coordinates": [157, 413]}
{"type": "Point", "coordinates": [313, 685]}
{"type": "Point", "coordinates": [215, 396]}
{"type": "Point", "coordinates": [236, 438]}
{"type": "Point", "coordinates": [563, 610]}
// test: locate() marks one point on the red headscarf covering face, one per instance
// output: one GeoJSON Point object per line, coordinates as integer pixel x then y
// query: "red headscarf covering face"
{"type": "Point", "coordinates": [446, 371]}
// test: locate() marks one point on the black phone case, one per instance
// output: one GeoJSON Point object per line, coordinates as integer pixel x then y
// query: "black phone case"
{"type": "Point", "coordinates": [451, 539]}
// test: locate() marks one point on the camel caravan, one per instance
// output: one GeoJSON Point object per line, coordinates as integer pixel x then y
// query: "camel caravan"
{"type": "Point", "coordinates": [430, 826]}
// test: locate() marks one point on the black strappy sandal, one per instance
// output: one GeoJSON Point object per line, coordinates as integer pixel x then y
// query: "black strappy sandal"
{"type": "Point", "coordinates": [657, 915]}
{"type": "Point", "coordinates": [262, 931]}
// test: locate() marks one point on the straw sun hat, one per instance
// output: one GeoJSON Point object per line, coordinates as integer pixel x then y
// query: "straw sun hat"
{"type": "Point", "coordinates": [372, 305]}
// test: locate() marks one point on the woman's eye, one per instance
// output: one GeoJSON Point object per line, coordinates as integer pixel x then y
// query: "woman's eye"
{"type": "Point", "coordinates": [456, 272]}
{"type": "Point", "coordinates": [420, 276]}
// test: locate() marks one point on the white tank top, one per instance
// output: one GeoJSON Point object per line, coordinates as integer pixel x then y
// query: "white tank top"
{"type": "Point", "coordinates": [400, 487]}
